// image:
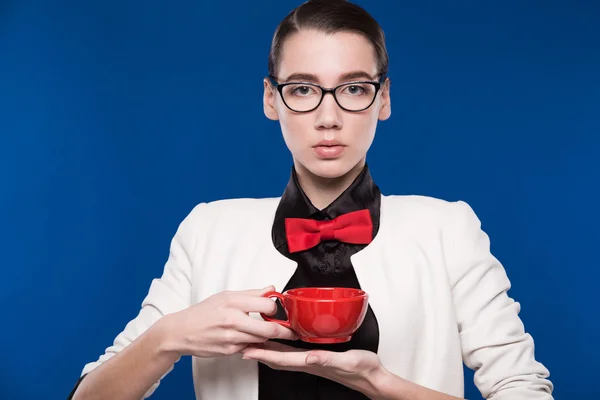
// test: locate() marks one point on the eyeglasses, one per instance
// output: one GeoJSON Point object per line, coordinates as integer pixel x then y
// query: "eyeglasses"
{"type": "Point", "coordinates": [305, 97]}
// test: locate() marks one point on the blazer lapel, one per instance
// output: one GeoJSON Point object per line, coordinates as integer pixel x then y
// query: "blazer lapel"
{"type": "Point", "coordinates": [256, 263]}
{"type": "Point", "coordinates": [372, 269]}
{"type": "Point", "coordinates": [269, 266]}
{"type": "Point", "coordinates": [263, 266]}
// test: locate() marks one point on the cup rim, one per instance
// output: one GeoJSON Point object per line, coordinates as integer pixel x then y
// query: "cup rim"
{"type": "Point", "coordinates": [362, 295]}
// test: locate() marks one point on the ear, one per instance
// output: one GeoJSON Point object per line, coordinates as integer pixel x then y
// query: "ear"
{"type": "Point", "coordinates": [269, 98]}
{"type": "Point", "coordinates": [386, 102]}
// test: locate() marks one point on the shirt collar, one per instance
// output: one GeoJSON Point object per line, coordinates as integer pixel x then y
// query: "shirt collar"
{"type": "Point", "coordinates": [294, 203]}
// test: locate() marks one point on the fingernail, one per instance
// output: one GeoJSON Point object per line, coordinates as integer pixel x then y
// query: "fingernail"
{"type": "Point", "coordinates": [312, 359]}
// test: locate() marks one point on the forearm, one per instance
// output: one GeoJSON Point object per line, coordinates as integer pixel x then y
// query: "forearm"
{"type": "Point", "coordinates": [383, 385]}
{"type": "Point", "coordinates": [131, 372]}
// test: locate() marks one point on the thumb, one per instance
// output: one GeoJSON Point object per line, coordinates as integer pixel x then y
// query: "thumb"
{"type": "Point", "coordinates": [324, 359]}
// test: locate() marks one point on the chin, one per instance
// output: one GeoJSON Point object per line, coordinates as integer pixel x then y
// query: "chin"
{"type": "Point", "coordinates": [330, 169]}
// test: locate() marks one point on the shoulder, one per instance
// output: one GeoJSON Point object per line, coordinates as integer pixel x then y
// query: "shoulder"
{"type": "Point", "coordinates": [240, 205]}
{"type": "Point", "coordinates": [241, 210]}
{"type": "Point", "coordinates": [428, 210]}
{"type": "Point", "coordinates": [424, 204]}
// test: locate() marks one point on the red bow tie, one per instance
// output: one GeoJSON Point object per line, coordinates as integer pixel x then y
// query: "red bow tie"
{"type": "Point", "coordinates": [355, 227]}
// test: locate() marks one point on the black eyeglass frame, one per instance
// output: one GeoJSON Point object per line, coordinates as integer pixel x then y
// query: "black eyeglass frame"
{"type": "Point", "coordinates": [324, 91]}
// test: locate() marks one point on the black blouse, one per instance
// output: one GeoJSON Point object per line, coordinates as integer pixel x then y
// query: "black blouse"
{"type": "Point", "coordinates": [327, 264]}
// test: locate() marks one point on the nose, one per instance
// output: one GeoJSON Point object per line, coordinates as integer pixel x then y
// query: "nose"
{"type": "Point", "coordinates": [329, 114]}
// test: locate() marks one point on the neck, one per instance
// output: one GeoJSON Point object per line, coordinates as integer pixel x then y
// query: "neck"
{"type": "Point", "coordinates": [323, 191]}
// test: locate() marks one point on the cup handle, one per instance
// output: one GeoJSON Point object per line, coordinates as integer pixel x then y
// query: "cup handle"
{"type": "Point", "coordinates": [284, 323]}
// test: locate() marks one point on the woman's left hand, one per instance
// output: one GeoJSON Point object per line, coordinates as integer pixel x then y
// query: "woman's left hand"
{"type": "Point", "coordinates": [357, 369]}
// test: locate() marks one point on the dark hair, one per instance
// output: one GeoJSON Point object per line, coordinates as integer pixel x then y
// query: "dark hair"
{"type": "Point", "coordinates": [329, 16]}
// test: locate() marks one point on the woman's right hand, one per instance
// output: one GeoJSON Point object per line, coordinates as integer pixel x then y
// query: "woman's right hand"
{"type": "Point", "coordinates": [220, 325]}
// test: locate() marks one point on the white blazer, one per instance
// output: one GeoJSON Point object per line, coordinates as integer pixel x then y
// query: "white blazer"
{"type": "Point", "coordinates": [438, 293]}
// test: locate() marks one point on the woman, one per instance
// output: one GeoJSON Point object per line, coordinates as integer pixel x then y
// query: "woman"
{"type": "Point", "coordinates": [437, 295]}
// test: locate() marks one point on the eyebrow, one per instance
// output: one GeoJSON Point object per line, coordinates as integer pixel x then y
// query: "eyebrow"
{"type": "Point", "coordinates": [299, 76]}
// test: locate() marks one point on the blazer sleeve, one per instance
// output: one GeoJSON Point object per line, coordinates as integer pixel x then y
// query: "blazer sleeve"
{"type": "Point", "coordinates": [493, 338]}
{"type": "Point", "coordinates": [168, 294]}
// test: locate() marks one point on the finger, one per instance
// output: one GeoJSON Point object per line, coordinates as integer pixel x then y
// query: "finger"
{"type": "Point", "coordinates": [257, 292]}
{"type": "Point", "coordinates": [237, 338]}
{"type": "Point", "coordinates": [269, 330]}
{"type": "Point", "coordinates": [254, 304]}
{"type": "Point", "coordinates": [350, 362]}
{"type": "Point", "coordinates": [276, 346]}
{"type": "Point", "coordinates": [293, 359]}
{"type": "Point", "coordinates": [314, 357]}
{"type": "Point", "coordinates": [322, 358]}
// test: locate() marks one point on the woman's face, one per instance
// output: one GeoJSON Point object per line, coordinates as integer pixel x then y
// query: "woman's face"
{"type": "Point", "coordinates": [328, 141]}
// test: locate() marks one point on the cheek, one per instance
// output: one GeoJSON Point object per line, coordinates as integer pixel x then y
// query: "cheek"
{"type": "Point", "coordinates": [295, 129]}
{"type": "Point", "coordinates": [363, 129]}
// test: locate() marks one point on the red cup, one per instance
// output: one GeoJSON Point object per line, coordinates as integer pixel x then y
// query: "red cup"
{"type": "Point", "coordinates": [322, 314]}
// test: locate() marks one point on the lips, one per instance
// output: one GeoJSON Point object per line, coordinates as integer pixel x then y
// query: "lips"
{"type": "Point", "coordinates": [328, 149]}
{"type": "Point", "coordinates": [328, 143]}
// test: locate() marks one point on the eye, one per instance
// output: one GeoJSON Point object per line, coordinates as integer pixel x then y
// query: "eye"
{"type": "Point", "coordinates": [303, 90]}
{"type": "Point", "coordinates": [356, 89]}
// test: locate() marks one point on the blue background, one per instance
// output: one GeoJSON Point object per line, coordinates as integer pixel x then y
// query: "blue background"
{"type": "Point", "coordinates": [117, 117]}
